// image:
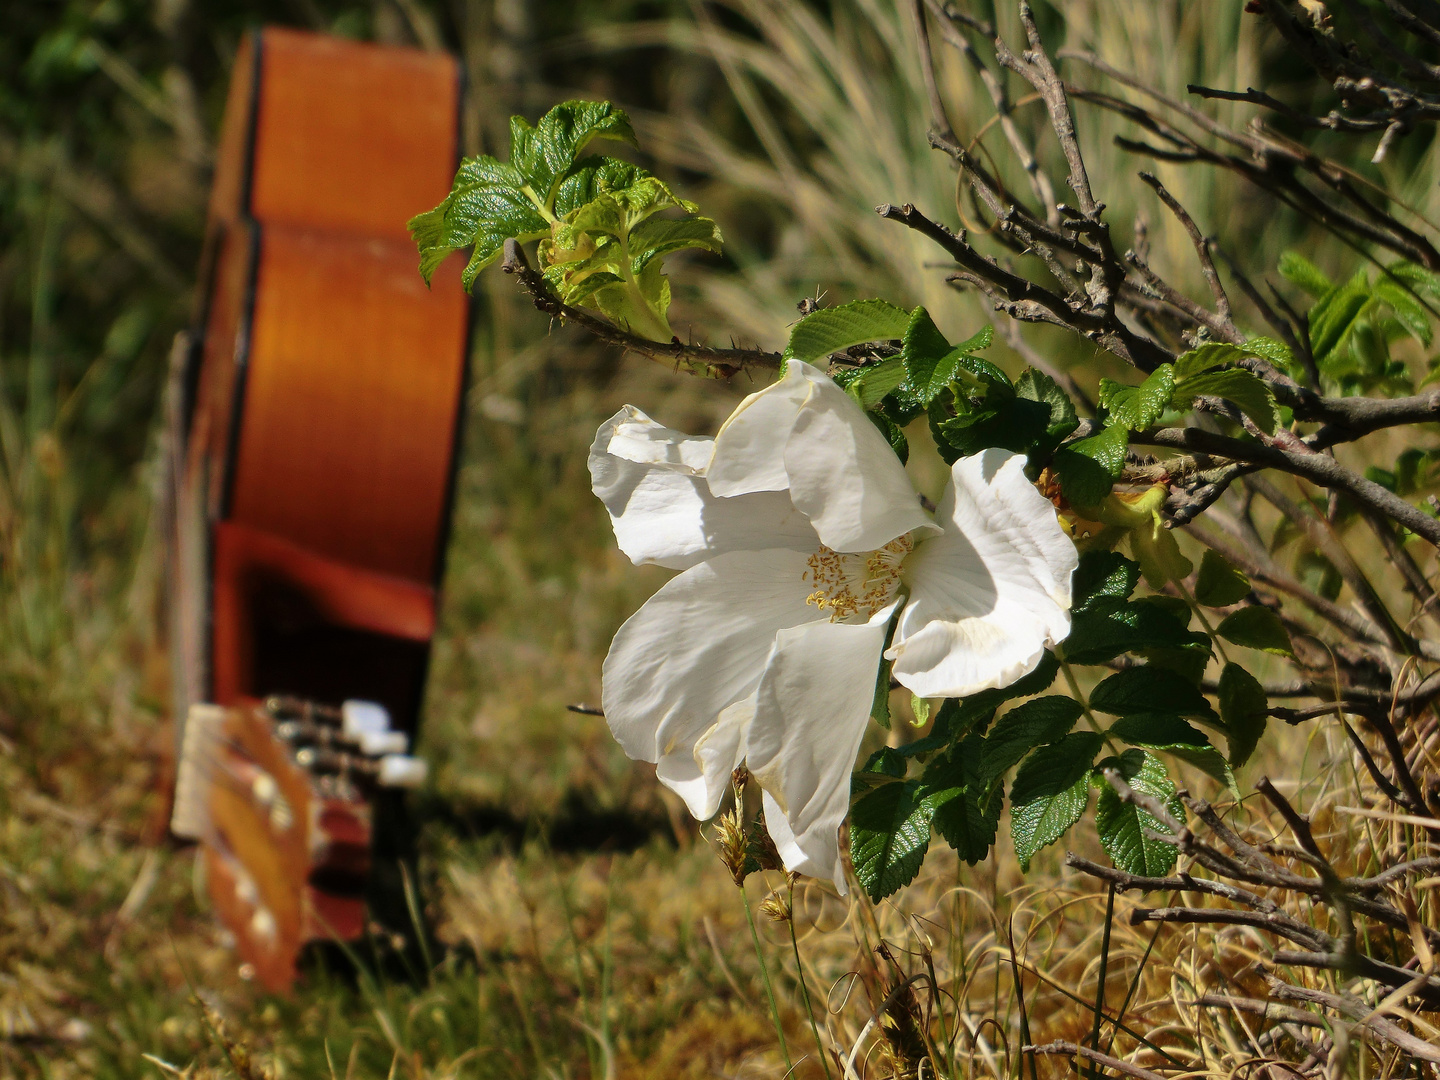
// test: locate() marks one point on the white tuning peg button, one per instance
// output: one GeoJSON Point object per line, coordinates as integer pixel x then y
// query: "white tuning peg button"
{"type": "Point", "coordinates": [359, 717]}
{"type": "Point", "coordinates": [378, 743]}
{"type": "Point", "coordinates": [401, 771]}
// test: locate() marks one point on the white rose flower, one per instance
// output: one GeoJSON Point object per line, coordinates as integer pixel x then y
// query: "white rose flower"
{"type": "Point", "coordinates": [799, 535]}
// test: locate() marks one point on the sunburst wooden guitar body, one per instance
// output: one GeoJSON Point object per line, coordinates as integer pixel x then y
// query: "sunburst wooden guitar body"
{"type": "Point", "coordinates": [313, 428]}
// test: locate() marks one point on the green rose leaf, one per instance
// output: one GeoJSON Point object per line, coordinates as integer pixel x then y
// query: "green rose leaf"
{"type": "Point", "coordinates": [1425, 282]}
{"type": "Point", "coordinates": [1245, 711]}
{"type": "Point", "coordinates": [1138, 407]}
{"type": "Point", "coordinates": [1409, 312]}
{"type": "Point", "coordinates": [1036, 386]}
{"type": "Point", "coordinates": [1257, 628]}
{"type": "Point", "coordinates": [966, 812]}
{"type": "Point", "coordinates": [835, 329]}
{"type": "Point", "coordinates": [1335, 316]}
{"type": "Point", "coordinates": [931, 363]}
{"type": "Point", "coordinates": [485, 207]}
{"type": "Point", "coordinates": [889, 836]}
{"type": "Point", "coordinates": [1102, 573]}
{"type": "Point", "coordinates": [1088, 468]}
{"type": "Point", "coordinates": [1050, 792]}
{"type": "Point", "coordinates": [1147, 689]}
{"type": "Point", "coordinates": [1172, 735]}
{"type": "Point", "coordinates": [491, 201]}
{"type": "Point", "coordinates": [1299, 270]}
{"type": "Point", "coordinates": [977, 710]}
{"type": "Point", "coordinates": [875, 382]}
{"type": "Point", "coordinates": [1219, 584]}
{"type": "Point", "coordinates": [1111, 626]}
{"type": "Point", "coordinates": [1250, 394]}
{"type": "Point", "coordinates": [1035, 723]}
{"type": "Point", "coordinates": [1212, 354]}
{"type": "Point", "coordinates": [1016, 424]}
{"type": "Point", "coordinates": [1277, 352]}
{"type": "Point", "coordinates": [543, 154]}
{"type": "Point", "coordinates": [1123, 826]}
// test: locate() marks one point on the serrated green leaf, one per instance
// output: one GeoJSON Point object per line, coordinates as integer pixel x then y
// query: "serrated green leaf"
{"type": "Point", "coordinates": [594, 175]}
{"type": "Point", "coordinates": [894, 435]}
{"type": "Point", "coordinates": [1219, 584]}
{"type": "Point", "coordinates": [1299, 270]}
{"type": "Point", "coordinates": [1257, 627]}
{"type": "Point", "coordinates": [835, 329]}
{"type": "Point", "coordinates": [1050, 792]}
{"type": "Point", "coordinates": [880, 704]}
{"type": "Point", "coordinates": [1425, 282]}
{"type": "Point", "coordinates": [889, 836]}
{"type": "Point", "coordinates": [1017, 424]}
{"type": "Point", "coordinates": [966, 812]}
{"type": "Point", "coordinates": [1035, 723]}
{"type": "Point", "coordinates": [1148, 690]}
{"type": "Point", "coordinates": [544, 154]}
{"type": "Point", "coordinates": [1189, 663]}
{"type": "Point", "coordinates": [974, 713]}
{"type": "Point", "coordinates": [887, 761]}
{"type": "Point", "coordinates": [1245, 711]}
{"type": "Point", "coordinates": [1123, 826]}
{"type": "Point", "coordinates": [1212, 354]}
{"type": "Point", "coordinates": [485, 208]}
{"type": "Point", "coordinates": [931, 363]}
{"type": "Point", "coordinates": [1138, 407]}
{"type": "Point", "coordinates": [1334, 317]}
{"type": "Point", "coordinates": [874, 382]}
{"type": "Point", "coordinates": [1172, 735]}
{"type": "Point", "coordinates": [657, 237]}
{"type": "Point", "coordinates": [1409, 312]}
{"type": "Point", "coordinates": [1248, 391]}
{"type": "Point", "coordinates": [1035, 385]}
{"type": "Point", "coordinates": [1277, 352]}
{"type": "Point", "coordinates": [1088, 468]}
{"type": "Point", "coordinates": [1174, 606]}
{"type": "Point", "coordinates": [1111, 626]}
{"type": "Point", "coordinates": [1102, 573]}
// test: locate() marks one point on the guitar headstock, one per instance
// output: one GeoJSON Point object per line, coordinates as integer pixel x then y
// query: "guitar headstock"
{"type": "Point", "coordinates": [280, 795]}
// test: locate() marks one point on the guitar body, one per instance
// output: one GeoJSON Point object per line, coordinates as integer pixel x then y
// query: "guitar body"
{"type": "Point", "coordinates": [314, 415]}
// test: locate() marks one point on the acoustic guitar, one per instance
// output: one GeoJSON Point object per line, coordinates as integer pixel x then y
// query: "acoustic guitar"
{"type": "Point", "coordinates": [314, 413]}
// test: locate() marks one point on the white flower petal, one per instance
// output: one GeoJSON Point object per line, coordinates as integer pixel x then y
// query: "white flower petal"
{"type": "Point", "coordinates": [989, 594]}
{"type": "Point", "coordinates": [843, 475]}
{"type": "Point", "coordinates": [662, 510]}
{"type": "Point", "coordinates": [635, 437]}
{"type": "Point", "coordinates": [811, 712]}
{"type": "Point", "coordinates": [750, 446]}
{"type": "Point", "coordinates": [696, 648]}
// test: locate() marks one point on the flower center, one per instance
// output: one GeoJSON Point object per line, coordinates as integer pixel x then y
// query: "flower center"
{"type": "Point", "coordinates": [848, 584]}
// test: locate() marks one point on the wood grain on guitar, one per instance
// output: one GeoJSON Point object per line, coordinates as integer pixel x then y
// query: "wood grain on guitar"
{"type": "Point", "coordinates": [313, 414]}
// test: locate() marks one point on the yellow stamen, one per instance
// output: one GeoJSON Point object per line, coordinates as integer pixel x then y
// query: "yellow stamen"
{"type": "Point", "coordinates": [850, 584]}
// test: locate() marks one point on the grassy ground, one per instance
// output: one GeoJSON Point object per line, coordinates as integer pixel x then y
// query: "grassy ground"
{"type": "Point", "coordinates": [584, 925]}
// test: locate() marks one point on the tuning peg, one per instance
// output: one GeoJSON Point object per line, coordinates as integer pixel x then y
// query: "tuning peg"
{"type": "Point", "coordinates": [200, 742]}
{"type": "Point", "coordinates": [401, 771]}
{"type": "Point", "coordinates": [379, 743]}
{"type": "Point", "coordinates": [359, 717]}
